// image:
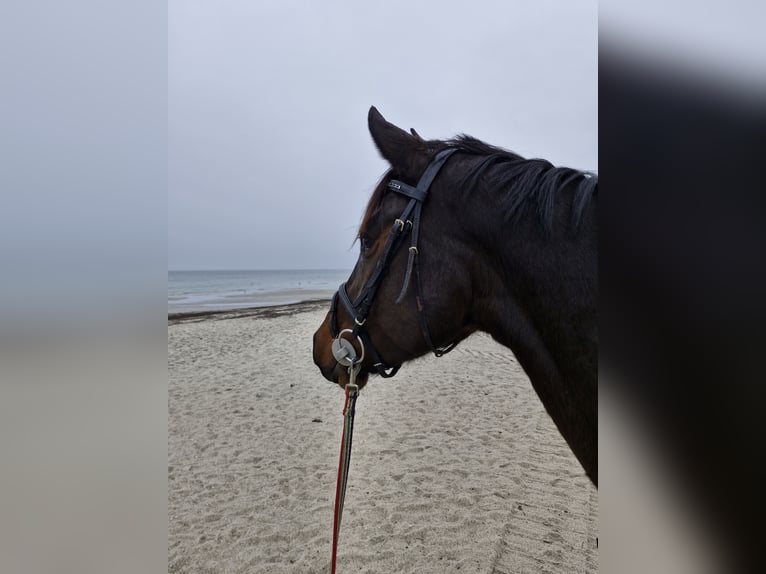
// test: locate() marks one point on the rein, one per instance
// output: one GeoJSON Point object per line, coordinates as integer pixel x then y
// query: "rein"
{"type": "Point", "coordinates": [349, 409]}
{"type": "Point", "coordinates": [353, 363]}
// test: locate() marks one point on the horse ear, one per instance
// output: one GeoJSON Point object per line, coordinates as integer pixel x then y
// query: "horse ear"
{"type": "Point", "coordinates": [416, 135]}
{"type": "Point", "coordinates": [393, 143]}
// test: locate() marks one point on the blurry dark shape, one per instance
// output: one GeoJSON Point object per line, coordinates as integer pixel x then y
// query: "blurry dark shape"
{"type": "Point", "coordinates": [683, 281]}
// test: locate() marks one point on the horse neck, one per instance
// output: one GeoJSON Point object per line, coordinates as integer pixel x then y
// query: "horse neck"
{"type": "Point", "coordinates": [529, 283]}
{"type": "Point", "coordinates": [537, 296]}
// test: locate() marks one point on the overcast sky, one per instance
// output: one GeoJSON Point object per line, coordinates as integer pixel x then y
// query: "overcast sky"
{"type": "Point", "coordinates": [270, 160]}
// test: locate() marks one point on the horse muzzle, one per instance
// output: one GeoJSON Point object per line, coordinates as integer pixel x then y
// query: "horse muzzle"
{"type": "Point", "coordinates": [333, 356]}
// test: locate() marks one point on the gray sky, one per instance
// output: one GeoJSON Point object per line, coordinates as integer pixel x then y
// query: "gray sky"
{"type": "Point", "coordinates": [270, 161]}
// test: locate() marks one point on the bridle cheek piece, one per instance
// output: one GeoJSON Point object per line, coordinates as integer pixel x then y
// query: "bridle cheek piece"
{"type": "Point", "coordinates": [359, 308]}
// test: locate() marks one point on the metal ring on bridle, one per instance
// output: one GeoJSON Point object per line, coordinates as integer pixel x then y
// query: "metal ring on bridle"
{"type": "Point", "coordinates": [344, 351]}
{"type": "Point", "coordinates": [358, 322]}
{"type": "Point", "coordinates": [400, 223]}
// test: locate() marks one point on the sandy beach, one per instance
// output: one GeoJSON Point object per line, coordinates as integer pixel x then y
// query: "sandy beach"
{"type": "Point", "coordinates": [456, 467]}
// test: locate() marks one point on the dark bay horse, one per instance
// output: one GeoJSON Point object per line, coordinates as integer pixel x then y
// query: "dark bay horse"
{"type": "Point", "coordinates": [503, 244]}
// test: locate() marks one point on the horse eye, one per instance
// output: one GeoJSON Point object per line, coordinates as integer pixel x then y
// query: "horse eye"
{"type": "Point", "coordinates": [365, 242]}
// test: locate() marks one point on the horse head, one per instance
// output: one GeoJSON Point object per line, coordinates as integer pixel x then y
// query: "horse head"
{"type": "Point", "coordinates": [414, 258]}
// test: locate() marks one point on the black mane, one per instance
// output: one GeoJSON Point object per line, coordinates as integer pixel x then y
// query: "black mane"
{"type": "Point", "coordinates": [525, 184]}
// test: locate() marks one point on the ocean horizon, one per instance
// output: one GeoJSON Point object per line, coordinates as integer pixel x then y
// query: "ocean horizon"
{"type": "Point", "coordinates": [212, 290]}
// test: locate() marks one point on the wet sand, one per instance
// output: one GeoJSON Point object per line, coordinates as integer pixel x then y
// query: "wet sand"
{"type": "Point", "coordinates": [456, 467]}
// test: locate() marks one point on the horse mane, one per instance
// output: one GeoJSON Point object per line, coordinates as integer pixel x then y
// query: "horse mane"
{"type": "Point", "coordinates": [524, 184]}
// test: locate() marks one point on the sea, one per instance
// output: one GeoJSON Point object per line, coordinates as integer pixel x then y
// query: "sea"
{"type": "Point", "coordinates": [190, 291]}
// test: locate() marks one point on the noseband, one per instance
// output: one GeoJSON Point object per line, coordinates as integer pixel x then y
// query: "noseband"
{"type": "Point", "coordinates": [359, 308]}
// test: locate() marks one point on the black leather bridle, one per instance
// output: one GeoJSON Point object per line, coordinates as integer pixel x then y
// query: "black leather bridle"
{"type": "Point", "coordinates": [408, 221]}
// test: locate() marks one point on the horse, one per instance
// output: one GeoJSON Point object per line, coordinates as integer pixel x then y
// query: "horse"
{"type": "Point", "coordinates": [497, 243]}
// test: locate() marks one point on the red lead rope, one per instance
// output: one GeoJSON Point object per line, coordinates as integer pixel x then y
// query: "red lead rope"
{"type": "Point", "coordinates": [352, 392]}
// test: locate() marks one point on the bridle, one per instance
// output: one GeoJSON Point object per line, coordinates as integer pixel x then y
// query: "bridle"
{"type": "Point", "coordinates": [359, 308]}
